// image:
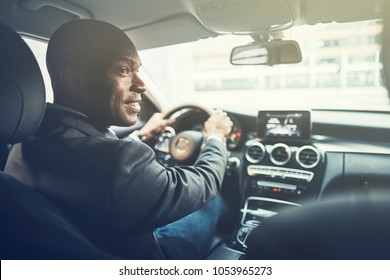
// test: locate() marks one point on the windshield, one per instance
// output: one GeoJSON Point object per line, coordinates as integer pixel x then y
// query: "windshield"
{"type": "Point", "coordinates": [341, 69]}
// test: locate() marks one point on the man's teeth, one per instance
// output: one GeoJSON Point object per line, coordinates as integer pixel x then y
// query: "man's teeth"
{"type": "Point", "coordinates": [133, 103]}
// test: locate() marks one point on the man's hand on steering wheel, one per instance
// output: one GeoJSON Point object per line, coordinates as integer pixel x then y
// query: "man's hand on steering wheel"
{"type": "Point", "coordinates": [218, 125]}
{"type": "Point", "coordinates": [155, 125]}
{"type": "Point", "coordinates": [184, 147]}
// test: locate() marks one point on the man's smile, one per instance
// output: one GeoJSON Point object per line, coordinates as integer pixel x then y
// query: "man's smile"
{"type": "Point", "coordinates": [133, 105]}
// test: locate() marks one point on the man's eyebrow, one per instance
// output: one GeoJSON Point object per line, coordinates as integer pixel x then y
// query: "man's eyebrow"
{"type": "Point", "coordinates": [131, 61]}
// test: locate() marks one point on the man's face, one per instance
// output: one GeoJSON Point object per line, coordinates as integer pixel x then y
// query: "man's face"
{"type": "Point", "coordinates": [119, 90]}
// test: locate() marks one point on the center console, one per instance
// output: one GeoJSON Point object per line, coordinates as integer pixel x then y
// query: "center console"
{"type": "Point", "coordinates": [282, 169]}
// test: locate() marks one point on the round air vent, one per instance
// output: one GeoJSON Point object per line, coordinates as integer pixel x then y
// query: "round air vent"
{"type": "Point", "coordinates": [308, 156]}
{"type": "Point", "coordinates": [280, 154]}
{"type": "Point", "coordinates": [255, 152]}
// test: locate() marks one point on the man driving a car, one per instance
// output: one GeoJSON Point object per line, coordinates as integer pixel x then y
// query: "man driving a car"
{"type": "Point", "coordinates": [114, 189]}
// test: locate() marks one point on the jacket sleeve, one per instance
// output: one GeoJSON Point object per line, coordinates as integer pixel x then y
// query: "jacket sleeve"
{"type": "Point", "coordinates": [146, 195]}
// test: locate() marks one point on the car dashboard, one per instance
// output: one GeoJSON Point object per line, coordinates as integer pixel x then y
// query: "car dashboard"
{"type": "Point", "coordinates": [282, 159]}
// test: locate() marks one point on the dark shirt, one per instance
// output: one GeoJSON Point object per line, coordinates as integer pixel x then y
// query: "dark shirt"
{"type": "Point", "coordinates": [114, 190]}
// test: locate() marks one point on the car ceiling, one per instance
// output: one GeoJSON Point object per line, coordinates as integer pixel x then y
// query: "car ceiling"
{"type": "Point", "coordinates": [154, 23]}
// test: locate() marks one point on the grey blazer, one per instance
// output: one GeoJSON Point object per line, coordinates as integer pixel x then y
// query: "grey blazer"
{"type": "Point", "coordinates": [114, 190]}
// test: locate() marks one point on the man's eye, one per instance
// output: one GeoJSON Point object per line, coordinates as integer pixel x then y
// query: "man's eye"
{"type": "Point", "coordinates": [124, 70]}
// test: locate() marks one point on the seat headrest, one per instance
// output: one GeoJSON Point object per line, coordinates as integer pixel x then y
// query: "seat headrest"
{"type": "Point", "coordinates": [22, 90]}
{"type": "Point", "coordinates": [386, 45]}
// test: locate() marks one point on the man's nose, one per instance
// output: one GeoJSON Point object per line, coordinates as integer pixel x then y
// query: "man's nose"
{"type": "Point", "coordinates": [138, 85]}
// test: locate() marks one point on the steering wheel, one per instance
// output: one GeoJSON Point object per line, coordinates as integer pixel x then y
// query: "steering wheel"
{"type": "Point", "coordinates": [187, 107]}
{"type": "Point", "coordinates": [183, 147]}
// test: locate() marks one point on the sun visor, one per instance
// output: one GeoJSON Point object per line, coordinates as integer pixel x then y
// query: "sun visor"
{"type": "Point", "coordinates": [247, 16]}
{"type": "Point", "coordinates": [173, 30]}
{"type": "Point", "coordinates": [317, 11]}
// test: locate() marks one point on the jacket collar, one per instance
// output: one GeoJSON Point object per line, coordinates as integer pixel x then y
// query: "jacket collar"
{"type": "Point", "coordinates": [70, 118]}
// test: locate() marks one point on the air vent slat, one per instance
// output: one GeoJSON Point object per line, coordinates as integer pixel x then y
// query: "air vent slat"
{"type": "Point", "coordinates": [308, 156]}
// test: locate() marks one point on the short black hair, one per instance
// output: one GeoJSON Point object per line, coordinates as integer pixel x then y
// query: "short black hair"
{"type": "Point", "coordinates": [86, 43]}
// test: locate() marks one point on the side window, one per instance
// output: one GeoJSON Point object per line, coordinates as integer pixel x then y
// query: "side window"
{"type": "Point", "coordinates": [39, 48]}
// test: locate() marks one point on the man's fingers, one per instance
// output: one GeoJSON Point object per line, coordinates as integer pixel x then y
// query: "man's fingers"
{"type": "Point", "coordinates": [170, 121]}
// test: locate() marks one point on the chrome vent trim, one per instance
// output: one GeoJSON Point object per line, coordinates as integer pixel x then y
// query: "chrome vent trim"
{"type": "Point", "coordinates": [255, 152]}
{"type": "Point", "coordinates": [308, 156]}
{"type": "Point", "coordinates": [280, 154]}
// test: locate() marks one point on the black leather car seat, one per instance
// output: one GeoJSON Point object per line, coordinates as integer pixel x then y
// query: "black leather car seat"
{"type": "Point", "coordinates": [4, 151]}
{"type": "Point", "coordinates": [336, 229]}
{"type": "Point", "coordinates": [31, 227]}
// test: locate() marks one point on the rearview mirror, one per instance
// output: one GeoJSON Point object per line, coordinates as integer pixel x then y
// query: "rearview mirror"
{"type": "Point", "coordinates": [267, 53]}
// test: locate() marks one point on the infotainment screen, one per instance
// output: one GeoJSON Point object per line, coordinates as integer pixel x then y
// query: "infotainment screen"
{"type": "Point", "coordinates": [284, 124]}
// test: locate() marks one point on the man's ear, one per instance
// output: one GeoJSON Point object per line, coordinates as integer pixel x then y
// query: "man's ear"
{"type": "Point", "coordinates": [73, 80]}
